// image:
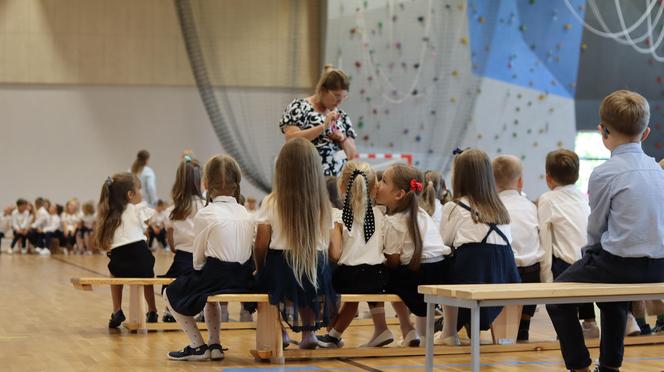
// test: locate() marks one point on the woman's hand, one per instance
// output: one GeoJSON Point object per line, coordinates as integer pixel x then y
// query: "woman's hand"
{"type": "Point", "coordinates": [331, 118]}
{"type": "Point", "coordinates": [337, 137]}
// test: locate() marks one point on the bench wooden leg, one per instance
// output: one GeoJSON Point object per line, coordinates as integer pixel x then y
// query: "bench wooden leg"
{"type": "Point", "coordinates": [268, 334]}
{"type": "Point", "coordinates": [505, 328]}
{"type": "Point", "coordinates": [137, 310]}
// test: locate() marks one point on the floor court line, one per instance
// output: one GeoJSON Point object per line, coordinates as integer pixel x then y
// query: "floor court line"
{"type": "Point", "coordinates": [513, 363]}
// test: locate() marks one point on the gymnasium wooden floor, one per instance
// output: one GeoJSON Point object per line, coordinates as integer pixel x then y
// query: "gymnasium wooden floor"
{"type": "Point", "coordinates": [47, 325]}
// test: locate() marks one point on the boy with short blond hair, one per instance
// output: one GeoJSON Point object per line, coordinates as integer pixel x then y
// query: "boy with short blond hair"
{"type": "Point", "coordinates": [508, 173]}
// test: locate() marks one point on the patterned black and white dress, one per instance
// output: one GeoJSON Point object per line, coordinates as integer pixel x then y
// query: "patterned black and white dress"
{"type": "Point", "coordinates": [302, 114]}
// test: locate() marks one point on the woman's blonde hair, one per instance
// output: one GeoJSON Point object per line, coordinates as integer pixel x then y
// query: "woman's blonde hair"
{"type": "Point", "coordinates": [404, 177]}
{"type": "Point", "coordinates": [473, 178]}
{"type": "Point", "coordinates": [112, 202]}
{"type": "Point", "coordinates": [300, 197]}
{"type": "Point", "coordinates": [332, 79]}
{"type": "Point", "coordinates": [187, 186]}
{"type": "Point", "coordinates": [359, 196]}
{"type": "Point", "coordinates": [223, 177]}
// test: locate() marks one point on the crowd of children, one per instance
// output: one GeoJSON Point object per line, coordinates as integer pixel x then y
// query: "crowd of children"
{"type": "Point", "coordinates": [369, 232]}
{"type": "Point", "coordinates": [44, 227]}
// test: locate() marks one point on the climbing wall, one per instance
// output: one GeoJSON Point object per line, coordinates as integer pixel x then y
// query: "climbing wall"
{"type": "Point", "coordinates": [429, 76]}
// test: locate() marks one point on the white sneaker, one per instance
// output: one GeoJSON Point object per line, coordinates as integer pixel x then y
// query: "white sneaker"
{"type": "Point", "coordinates": [632, 327]}
{"type": "Point", "coordinates": [412, 339]}
{"type": "Point", "coordinates": [381, 340]}
{"type": "Point", "coordinates": [45, 252]}
{"type": "Point", "coordinates": [24, 251]}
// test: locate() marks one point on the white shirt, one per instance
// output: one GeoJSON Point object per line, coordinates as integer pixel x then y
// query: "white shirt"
{"type": "Point", "coordinates": [563, 221]}
{"type": "Point", "coordinates": [53, 223]}
{"type": "Point", "coordinates": [20, 220]}
{"type": "Point", "coordinates": [183, 230]}
{"type": "Point", "coordinates": [267, 215]}
{"type": "Point", "coordinates": [89, 220]}
{"type": "Point", "coordinates": [525, 228]}
{"type": "Point", "coordinates": [355, 251]}
{"type": "Point", "coordinates": [70, 221]}
{"type": "Point", "coordinates": [399, 241]}
{"type": "Point", "coordinates": [437, 212]}
{"type": "Point", "coordinates": [159, 219]}
{"type": "Point", "coordinates": [132, 228]}
{"type": "Point", "coordinates": [41, 218]}
{"type": "Point", "coordinates": [457, 227]}
{"type": "Point", "coordinates": [224, 230]}
{"type": "Point", "coordinates": [5, 223]}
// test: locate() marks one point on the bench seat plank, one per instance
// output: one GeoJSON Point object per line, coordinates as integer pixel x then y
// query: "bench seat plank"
{"type": "Point", "coordinates": [538, 290]}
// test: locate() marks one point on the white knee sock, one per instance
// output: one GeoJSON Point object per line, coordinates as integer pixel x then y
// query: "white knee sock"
{"type": "Point", "coordinates": [421, 325]}
{"type": "Point", "coordinates": [450, 321]}
{"type": "Point", "coordinates": [188, 325]}
{"type": "Point", "coordinates": [213, 322]}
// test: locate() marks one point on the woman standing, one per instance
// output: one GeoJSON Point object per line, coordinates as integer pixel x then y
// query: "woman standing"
{"type": "Point", "coordinates": [148, 179]}
{"type": "Point", "coordinates": [318, 119]}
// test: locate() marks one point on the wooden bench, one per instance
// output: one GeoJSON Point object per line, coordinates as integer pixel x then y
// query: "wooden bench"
{"type": "Point", "coordinates": [136, 321]}
{"type": "Point", "coordinates": [474, 296]}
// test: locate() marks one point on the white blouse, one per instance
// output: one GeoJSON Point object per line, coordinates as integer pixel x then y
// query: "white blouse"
{"type": "Point", "coordinates": [267, 215]}
{"type": "Point", "coordinates": [224, 230]}
{"type": "Point", "coordinates": [70, 221]}
{"type": "Point", "coordinates": [457, 227]}
{"type": "Point", "coordinates": [20, 220]}
{"type": "Point", "coordinates": [41, 218]}
{"type": "Point", "coordinates": [183, 230]}
{"type": "Point", "coordinates": [355, 251]}
{"type": "Point", "coordinates": [53, 223]}
{"type": "Point", "coordinates": [89, 220]}
{"type": "Point", "coordinates": [159, 219]}
{"type": "Point", "coordinates": [399, 241]}
{"type": "Point", "coordinates": [132, 228]}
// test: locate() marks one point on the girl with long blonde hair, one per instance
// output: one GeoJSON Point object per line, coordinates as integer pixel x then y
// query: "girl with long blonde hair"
{"type": "Point", "coordinates": [292, 240]}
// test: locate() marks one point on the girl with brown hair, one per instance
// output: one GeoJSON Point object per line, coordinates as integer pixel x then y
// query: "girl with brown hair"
{"type": "Point", "coordinates": [120, 227]}
{"type": "Point", "coordinates": [477, 226]}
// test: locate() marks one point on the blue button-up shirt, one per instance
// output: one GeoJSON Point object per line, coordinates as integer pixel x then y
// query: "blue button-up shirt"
{"type": "Point", "coordinates": [627, 204]}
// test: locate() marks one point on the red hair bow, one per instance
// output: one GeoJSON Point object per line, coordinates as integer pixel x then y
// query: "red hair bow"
{"type": "Point", "coordinates": [415, 185]}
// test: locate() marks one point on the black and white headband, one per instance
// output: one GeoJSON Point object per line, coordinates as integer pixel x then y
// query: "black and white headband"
{"type": "Point", "coordinates": [347, 216]}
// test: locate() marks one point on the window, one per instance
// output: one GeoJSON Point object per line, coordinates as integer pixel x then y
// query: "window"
{"type": "Point", "coordinates": [591, 153]}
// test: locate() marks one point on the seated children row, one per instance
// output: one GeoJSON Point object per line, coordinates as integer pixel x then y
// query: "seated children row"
{"type": "Point", "coordinates": [295, 233]}
{"type": "Point", "coordinates": [40, 225]}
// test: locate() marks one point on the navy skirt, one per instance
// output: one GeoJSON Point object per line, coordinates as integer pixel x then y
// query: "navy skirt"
{"type": "Point", "coordinates": [183, 264]}
{"type": "Point", "coordinates": [188, 293]}
{"type": "Point", "coordinates": [483, 263]}
{"type": "Point", "coordinates": [133, 260]}
{"type": "Point", "coordinates": [304, 308]}
{"type": "Point", "coordinates": [404, 282]}
{"type": "Point", "coordinates": [360, 279]}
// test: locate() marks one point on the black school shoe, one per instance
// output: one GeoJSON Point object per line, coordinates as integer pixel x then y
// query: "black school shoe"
{"type": "Point", "coordinates": [216, 351]}
{"type": "Point", "coordinates": [189, 353]}
{"type": "Point", "coordinates": [151, 317]}
{"type": "Point", "coordinates": [604, 369]}
{"type": "Point", "coordinates": [168, 318]}
{"type": "Point", "coordinates": [116, 319]}
{"type": "Point", "coordinates": [327, 341]}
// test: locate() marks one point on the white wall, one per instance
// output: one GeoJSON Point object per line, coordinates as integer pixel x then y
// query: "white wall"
{"type": "Point", "coordinates": [63, 141]}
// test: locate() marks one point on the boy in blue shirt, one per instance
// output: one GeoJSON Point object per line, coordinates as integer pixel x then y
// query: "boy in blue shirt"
{"type": "Point", "coordinates": [625, 230]}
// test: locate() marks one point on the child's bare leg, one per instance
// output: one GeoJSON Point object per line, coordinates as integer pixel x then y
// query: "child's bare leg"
{"type": "Point", "coordinates": [404, 317]}
{"type": "Point", "coordinates": [116, 296]}
{"type": "Point", "coordinates": [148, 293]}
